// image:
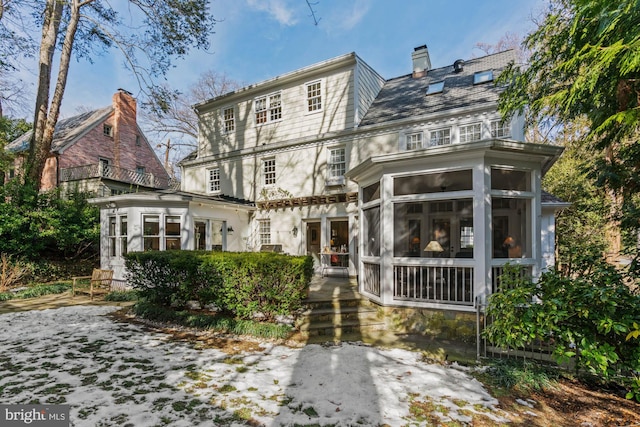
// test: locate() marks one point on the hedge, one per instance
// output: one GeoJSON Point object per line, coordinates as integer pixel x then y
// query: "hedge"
{"type": "Point", "coordinates": [245, 285]}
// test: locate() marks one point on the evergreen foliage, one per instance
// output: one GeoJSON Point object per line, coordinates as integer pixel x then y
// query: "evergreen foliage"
{"type": "Point", "coordinates": [244, 285]}
{"type": "Point", "coordinates": [589, 318]}
{"type": "Point", "coordinates": [585, 65]}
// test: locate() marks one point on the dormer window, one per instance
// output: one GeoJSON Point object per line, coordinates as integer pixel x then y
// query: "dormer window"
{"type": "Point", "coordinates": [436, 87]}
{"type": "Point", "coordinates": [483, 77]}
{"type": "Point", "coordinates": [107, 130]}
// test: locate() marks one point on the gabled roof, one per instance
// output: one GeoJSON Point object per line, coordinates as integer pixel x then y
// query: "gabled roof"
{"type": "Point", "coordinates": [405, 97]}
{"type": "Point", "coordinates": [67, 130]}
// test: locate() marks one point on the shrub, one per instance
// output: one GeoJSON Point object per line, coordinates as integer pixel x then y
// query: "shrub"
{"type": "Point", "coordinates": [588, 318]}
{"type": "Point", "coordinates": [244, 285]}
{"type": "Point", "coordinates": [11, 271]}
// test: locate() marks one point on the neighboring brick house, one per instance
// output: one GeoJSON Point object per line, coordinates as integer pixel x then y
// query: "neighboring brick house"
{"type": "Point", "coordinates": [101, 152]}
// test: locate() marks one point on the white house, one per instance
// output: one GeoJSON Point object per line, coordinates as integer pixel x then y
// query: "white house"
{"type": "Point", "coordinates": [415, 184]}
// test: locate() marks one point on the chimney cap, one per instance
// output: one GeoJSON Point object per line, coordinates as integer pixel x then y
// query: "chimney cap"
{"type": "Point", "coordinates": [125, 91]}
{"type": "Point", "coordinates": [415, 49]}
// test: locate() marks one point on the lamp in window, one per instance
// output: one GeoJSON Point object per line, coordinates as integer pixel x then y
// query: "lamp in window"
{"type": "Point", "coordinates": [294, 231]}
{"type": "Point", "coordinates": [434, 246]}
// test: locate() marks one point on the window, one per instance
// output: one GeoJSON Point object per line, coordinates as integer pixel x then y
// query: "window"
{"type": "Point", "coordinates": [151, 232]}
{"type": "Point", "coordinates": [371, 231]}
{"type": "Point", "coordinates": [268, 108]}
{"type": "Point", "coordinates": [337, 162]}
{"type": "Point", "coordinates": [436, 87]}
{"type": "Point", "coordinates": [261, 110]}
{"type": "Point", "coordinates": [500, 129]}
{"type": "Point", "coordinates": [433, 183]}
{"type": "Point", "coordinates": [470, 133]}
{"type": "Point", "coordinates": [228, 116]}
{"type": "Point", "coordinates": [511, 227]}
{"type": "Point", "coordinates": [269, 171]}
{"type": "Point", "coordinates": [172, 232]}
{"type": "Point", "coordinates": [434, 229]}
{"type": "Point", "coordinates": [440, 137]}
{"type": "Point", "coordinates": [138, 143]}
{"type": "Point", "coordinates": [414, 141]}
{"type": "Point", "coordinates": [510, 180]}
{"type": "Point", "coordinates": [213, 180]}
{"type": "Point", "coordinates": [107, 130]}
{"type": "Point", "coordinates": [140, 170]}
{"type": "Point", "coordinates": [371, 192]}
{"type": "Point", "coordinates": [112, 236]}
{"type": "Point", "coordinates": [265, 231]}
{"type": "Point", "coordinates": [275, 107]}
{"type": "Point", "coordinates": [314, 96]}
{"type": "Point", "coordinates": [483, 77]}
{"type": "Point", "coordinates": [123, 235]}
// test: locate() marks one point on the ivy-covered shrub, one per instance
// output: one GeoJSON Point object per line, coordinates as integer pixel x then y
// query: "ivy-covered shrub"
{"type": "Point", "coordinates": [245, 285]}
{"type": "Point", "coordinates": [589, 318]}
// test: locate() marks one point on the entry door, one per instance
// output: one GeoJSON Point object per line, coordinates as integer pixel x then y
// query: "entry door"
{"type": "Point", "coordinates": [313, 241]}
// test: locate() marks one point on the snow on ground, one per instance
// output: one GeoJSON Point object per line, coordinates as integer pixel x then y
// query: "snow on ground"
{"type": "Point", "coordinates": [119, 374]}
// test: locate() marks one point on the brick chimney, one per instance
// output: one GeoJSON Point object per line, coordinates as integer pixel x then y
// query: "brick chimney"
{"type": "Point", "coordinates": [124, 121]}
{"type": "Point", "coordinates": [421, 61]}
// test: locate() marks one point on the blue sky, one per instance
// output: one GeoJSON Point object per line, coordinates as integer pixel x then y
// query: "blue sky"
{"type": "Point", "coordinates": [258, 39]}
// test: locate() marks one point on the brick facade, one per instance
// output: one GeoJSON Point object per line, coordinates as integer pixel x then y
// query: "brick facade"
{"type": "Point", "coordinates": [126, 147]}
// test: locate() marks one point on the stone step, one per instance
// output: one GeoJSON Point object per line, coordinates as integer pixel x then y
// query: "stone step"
{"type": "Point", "coordinates": [330, 304]}
{"type": "Point", "coordinates": [364, 315]}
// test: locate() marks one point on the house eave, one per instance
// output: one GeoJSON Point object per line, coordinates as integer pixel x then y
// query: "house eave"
{"type": "Point", "coordinates": [168, 197]}
{"type": "Point", "coordinates": [547, 153]}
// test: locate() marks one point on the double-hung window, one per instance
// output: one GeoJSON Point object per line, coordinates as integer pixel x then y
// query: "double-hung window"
{"type": "Point", "coordinates": [151, 232]}
{"type": "Point", "coordinates": [471, 132]}
{"type": "Point", "coordinates": [268, 108]}
{"type": "Point", "coordinates": [229, 120]}
{"type": "Point", "coordinates": [440, 137]}
{"type": "Point", "coordinates": [213, 180]}
{"type": "Point", "coordinates": [314, 96]}
{"type": "Point", "coordinates": [500, 129]}
{"type": "Point", "coordinates": [414, 141]}
{"type": "Point", "coordinates": [269, 171]}
{"type": "Point", "coordinates": [336, 166]}
{"type": "Point", "coordinates": [117, 235]}
{"type": "Point", "coordinates": [265, 231]}
{"type": "Point", "coordinates": [112, 236]}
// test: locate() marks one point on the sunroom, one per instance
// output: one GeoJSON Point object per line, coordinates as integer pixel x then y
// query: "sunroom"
{"type": "Point", "coordinates": [438, 225]}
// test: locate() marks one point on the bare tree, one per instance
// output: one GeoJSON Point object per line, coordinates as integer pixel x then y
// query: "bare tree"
{"type": "Point", "coordinates": [154, 33]}
{"type": "Point", "coordinates": [168, 114]}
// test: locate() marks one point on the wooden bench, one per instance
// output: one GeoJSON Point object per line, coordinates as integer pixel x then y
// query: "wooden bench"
{"type": "Point", "coordinates": [99, 283]}
{"type": "Point", "coordinates": [271, 248]}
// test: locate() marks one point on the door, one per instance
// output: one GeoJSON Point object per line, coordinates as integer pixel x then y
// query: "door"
{"type": "Point", "coordinates": [313, 241]}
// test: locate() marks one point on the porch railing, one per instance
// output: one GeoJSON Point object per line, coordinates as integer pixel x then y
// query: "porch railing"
{"type": "Point", "coordinates": [128, 176]}
{"type": "Point", "coordinates": [371, 278]}
{"type": "Point", "coordinates": [497, 270]}
{"type": "Point", "coordinates": [442, 284]}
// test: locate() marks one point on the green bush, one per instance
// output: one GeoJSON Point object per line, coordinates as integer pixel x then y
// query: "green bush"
{"type": "Point", "coordinates": [244, 285]}
{"type": "Point", "coordinates": [117, 296]}
{"type": "Point", "coordinates": [589, 318]}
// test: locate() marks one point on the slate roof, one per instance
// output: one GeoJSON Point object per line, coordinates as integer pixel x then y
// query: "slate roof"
{"type": "Point", "coordinates": [67, 130]}
{"type": "Point", "coordinates": [550, 199]}
{"type": "Point", "coordinates": [405, 97]}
